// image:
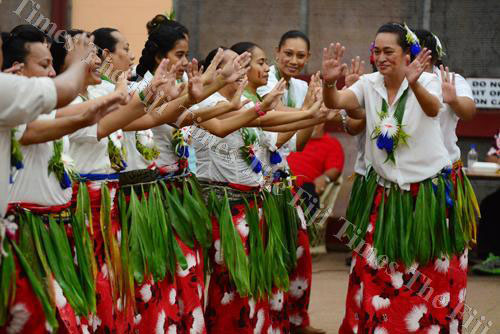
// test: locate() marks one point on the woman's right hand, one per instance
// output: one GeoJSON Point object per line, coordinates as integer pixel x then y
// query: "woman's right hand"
{"type": "Point", "coordinates": [210, 73]}
{"type": "Point", "coordinates": [236, 102]}
{"type": "Point", "coordinates": [235, 69]}
{"type": "Point", "coordinates": [121, 89]}
{"type": "Point", "coordinates": [274, 96]}
{"type": "Point", "coordinates": [333, 68]}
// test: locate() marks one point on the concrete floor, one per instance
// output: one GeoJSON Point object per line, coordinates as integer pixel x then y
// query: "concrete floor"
{"type": "Point", "coordinates": [329, 288]}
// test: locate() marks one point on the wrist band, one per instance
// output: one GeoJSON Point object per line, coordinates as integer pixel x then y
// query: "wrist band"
{"type": "Point", "coordinates": [329, 84]}
{"type": "Point", "coordinates": [258, 110]}
{"type": "Point", "coordinates": [142, 97]}
{"type": "Point", "coordinates": [343, 115]}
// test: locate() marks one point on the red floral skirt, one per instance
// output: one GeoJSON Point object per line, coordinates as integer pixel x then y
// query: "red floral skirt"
{"type": "Point", "coordinates": [391, 298]}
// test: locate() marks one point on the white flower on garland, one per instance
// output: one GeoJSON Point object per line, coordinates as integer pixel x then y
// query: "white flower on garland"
{"type": "Point", "coordinates": [68, 162]}
{"type": "Point", "coordinates": [454, 327]}
{"type": "Point", "coordinates": [444, 299]}
{"type": "Point", "coordinates": [389, 126]}
{"type": "Point", "coordinates": [172, 329]}
{"type": "Point", "coordinates": [146, 138]}
{"type": "Point", "coordinates": [413, 317]}
{"type": "Point", "coordinates": [117, 137]}
{"type": "Point", "coordinates": [251, 303]}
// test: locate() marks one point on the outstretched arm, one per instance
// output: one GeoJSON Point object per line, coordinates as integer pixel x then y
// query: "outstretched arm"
{"type": "Point", "coordinates": [463, 106]}
{"type": "Point", "coordinates": [333, 69]}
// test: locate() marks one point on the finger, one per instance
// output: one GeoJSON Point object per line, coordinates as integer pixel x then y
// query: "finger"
{"type": "Point", "coordinates": [453, 79]}
{"type": "Point", "coordinates": [357, 64]}
{"type": "Point", "coordinates": [341, 54]}
{"type": "Point", "coordinates": [448, 78]}
{"type": "Point", "coordinates": [441, 70]}
{"type": "Point", "coordinates": [362, 68]}
{"type": "Point", "coordinates": [343, 69]}
{"type": "Point", "coordinates": [408, 60]}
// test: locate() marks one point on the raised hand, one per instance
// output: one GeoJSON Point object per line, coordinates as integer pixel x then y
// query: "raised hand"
{"type": "Point", "coordinates": [235, 69]}
{"type": "Point", "coordinates": [417, 66]}
{"type": "Point", "coordinates": [101, 107]}
{"type": "Point", "coordinates": [236, 102]}
{"type": "Point", "coordinates": [211, 71]}
{"type": "Point", "coordinates": [448, 85]}
{"type": "Point", "coordinates": [195, 84]}
{"type": "Point", "coordinates": [79, 48]}
{"type": "Point", "coordinates": [274, 96]}
{"type": "Point", "coordinates": [333, 68]}
{"type": "Point", "coordinates": [121, 89]}
{"type": "Point", "coordinates": [14, 69]}
{"type": "Point", "coordinates": [355, 72]}
{"type": "Point", "coordinates": [314, 83]}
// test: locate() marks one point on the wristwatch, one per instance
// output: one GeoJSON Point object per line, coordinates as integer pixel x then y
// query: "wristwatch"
{"type": "Point", "coordinates": [343, 115]}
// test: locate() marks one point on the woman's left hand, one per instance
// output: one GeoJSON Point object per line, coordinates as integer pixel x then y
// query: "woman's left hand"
{"type": "Point", "coordinates": [448, 85]}
{"type": "Point", "coordinates": [414, 69]}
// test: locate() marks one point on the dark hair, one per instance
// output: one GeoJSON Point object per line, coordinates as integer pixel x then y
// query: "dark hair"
{"type": "Point", "coordinates": [159, 42]}
{"type": "Point", "coordinates": [58, 48]}
{"type": "Point", "coordinates": [208, 59]}
{"type": "Point", "coordinates": [104, 39]}
{"type": "Point", "coordinates": [294, 34]}
{"type": "Point", "coordinates": [14, 43]}
{"type": "Point", "coordinates": [400, 31]}
{"type": "Point", "coordinates": [241, 47]}
{"type": "Point", "coordinates": [161, 19]}
{"type": "Point", "coordinates": [428, 40]}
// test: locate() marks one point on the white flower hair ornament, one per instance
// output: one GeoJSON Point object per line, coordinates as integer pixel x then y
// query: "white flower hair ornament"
{"type": "Point", "coordinates": [439, 47]}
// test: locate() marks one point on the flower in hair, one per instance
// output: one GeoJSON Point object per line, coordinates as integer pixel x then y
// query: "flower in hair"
{"type": "Point", "coordinates": [412, 39]}
{"type": "Point", "coordinates": [439, 47]}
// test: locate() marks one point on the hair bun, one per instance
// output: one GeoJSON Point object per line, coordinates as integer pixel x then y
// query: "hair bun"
{"type": "Point", "coordinates": [155, 22]}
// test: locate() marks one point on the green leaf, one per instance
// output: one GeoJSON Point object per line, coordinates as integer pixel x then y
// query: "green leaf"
{"type": "Point", "coordinates": [8, 279]}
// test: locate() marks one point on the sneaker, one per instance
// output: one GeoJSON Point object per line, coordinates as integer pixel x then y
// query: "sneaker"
{"type": "Point", "coordinates": [490, 266]}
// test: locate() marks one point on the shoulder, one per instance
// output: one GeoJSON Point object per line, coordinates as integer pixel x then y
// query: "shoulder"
{"type": "Point", "coordinates": [300, 84]}
{"type": "Point", "coordinates": [428, 78]}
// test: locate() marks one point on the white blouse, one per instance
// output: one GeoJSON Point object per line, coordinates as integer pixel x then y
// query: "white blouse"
{"type": "Point", "coordinates": [21, 100]}
{"type": "Point", "coordinates": [297, 87]}
{"type": "Point", "coordinates": [33, 184]}
{"type": "Point", "coordinates": [448, 119]}
{"type": "Point", "coordinates": [89, 153]}
{"type": "Point", "coordinates": [425, 155]}
{"type": "Point", "coordinates": [360, 165]}
{"type": "Point", "coordinates": [220, 159]}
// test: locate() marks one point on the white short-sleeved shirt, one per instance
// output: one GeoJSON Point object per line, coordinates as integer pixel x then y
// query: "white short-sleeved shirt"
{"type": "Point", "coordinates": [89, 153]}
{"type": "Point", "coordinates": [297, 87]}
{"type": "Point", "coordinates": [33, 184]}
{"type": "Point", "coordinates": [21, 101]}
{"type": "Point", "coordinates": [448, 119]}
{"type": "Point", "coordinates": [224, 162]}
{"type": "Point", "coordinates": [360, 164]}
{"type": "Point", "coordinates": [425, 155]}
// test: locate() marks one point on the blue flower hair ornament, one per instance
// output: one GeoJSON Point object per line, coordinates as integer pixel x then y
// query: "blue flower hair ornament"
{"type": "Point", "coordinates": [412, 39]}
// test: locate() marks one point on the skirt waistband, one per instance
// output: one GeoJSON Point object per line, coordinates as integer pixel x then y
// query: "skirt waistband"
{"type": "Point", "coordinates": [100, 177]}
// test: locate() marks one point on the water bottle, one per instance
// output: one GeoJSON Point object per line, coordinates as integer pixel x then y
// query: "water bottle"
{"type": "Point", "coordinates": [471, 156]}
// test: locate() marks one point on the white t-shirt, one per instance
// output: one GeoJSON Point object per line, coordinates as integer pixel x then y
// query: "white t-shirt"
{"type": "Point", "coordinates": [448, 119]}
{"type": "Point", "coordinates": [21, 101]}
{"type": "Point", "coordinates": [33, 184]}
{"type": "Point", "coordinates": [425, 155]}
{"type": "Point", "coordinates": [219, 159]}
{"type": "Point", "coordinates": [297, 87]}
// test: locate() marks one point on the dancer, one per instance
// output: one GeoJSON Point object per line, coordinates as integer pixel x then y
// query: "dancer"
{"type": "Point", "coordinates": [36, 212]}
{"type": "Point", "coordinates": [292, 54]}
{"type": "Point", "coordinates": [405, 180]}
